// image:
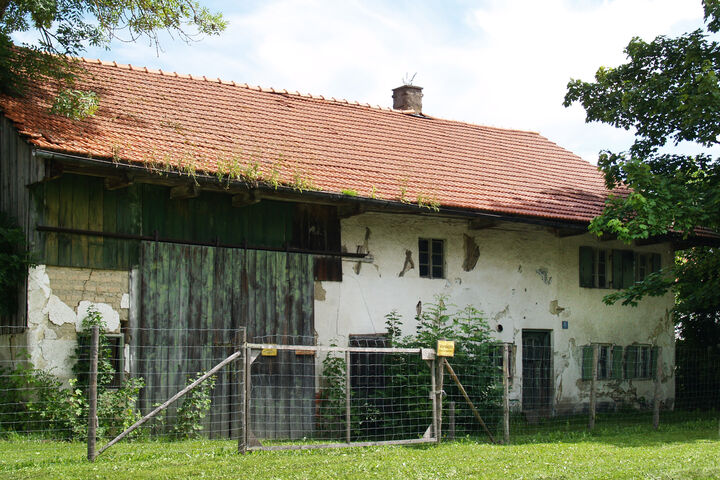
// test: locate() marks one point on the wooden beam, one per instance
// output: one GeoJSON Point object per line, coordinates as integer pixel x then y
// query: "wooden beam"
{"type": "Point", "coordinates": [183, 192]}
{"type": "Point", "coordinates": [482, 223]}
{"type": "Point", "coordinates": [117, 183]}
{"type": "Point", "coordinates": [243, 199]}
{"type": "Point", "coordinates": [53, 170]}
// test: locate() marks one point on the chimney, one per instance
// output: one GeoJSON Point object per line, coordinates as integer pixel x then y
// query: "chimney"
{"type": "Point", "coordinates": [408, 97]}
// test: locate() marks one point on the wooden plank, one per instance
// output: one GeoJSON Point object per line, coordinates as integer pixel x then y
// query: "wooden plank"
{"type": "Point", "coordinates": [65, 220]}
{"type": "Point", "coordinates": [110, 245]}
{"type": "Point", "coordinates": [51, 217]}
{"type": "Point", "coordinates": [79, 219]}
{"type": "Point", "coordinates": [95, 222]}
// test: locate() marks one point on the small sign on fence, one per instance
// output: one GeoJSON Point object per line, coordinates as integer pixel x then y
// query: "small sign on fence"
{"type": "Point", "coordinates": [305, 352]}
{"type": "Point", "coordinates": [269, 352]}
{"type": "Point", "coordinates": [445, 348]}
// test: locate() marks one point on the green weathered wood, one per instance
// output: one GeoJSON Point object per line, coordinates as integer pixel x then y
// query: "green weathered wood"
{"type": "Point", "coordinates": [51, 217]}
{"type": "Point", "coordinates": [109, 212]}
{"type": "Point", "coordinates": [95, 222]}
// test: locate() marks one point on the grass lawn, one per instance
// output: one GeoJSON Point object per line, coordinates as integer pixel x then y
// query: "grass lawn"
{"type": "Point", "coordinates": [685, 450]}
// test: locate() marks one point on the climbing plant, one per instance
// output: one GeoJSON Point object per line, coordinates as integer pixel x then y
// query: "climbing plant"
{"type": "Point", "coordinates": [15, 259]}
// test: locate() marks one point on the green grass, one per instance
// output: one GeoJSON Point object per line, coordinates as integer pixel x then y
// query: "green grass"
{"type": "Point", "coordinates": [681, 450]}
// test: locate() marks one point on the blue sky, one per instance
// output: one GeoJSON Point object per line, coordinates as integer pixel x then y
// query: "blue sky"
{"type": "Point", "coordinates": [500, 63]}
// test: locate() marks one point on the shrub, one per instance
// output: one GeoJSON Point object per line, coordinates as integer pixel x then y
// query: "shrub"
{"type": "Point", "coordinates": [194, 408]}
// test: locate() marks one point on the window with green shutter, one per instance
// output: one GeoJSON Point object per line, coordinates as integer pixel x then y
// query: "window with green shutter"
{"type": "Point", "coordinates": [587, 362]}
{"type": "Point", "coordinates": [617, 362]}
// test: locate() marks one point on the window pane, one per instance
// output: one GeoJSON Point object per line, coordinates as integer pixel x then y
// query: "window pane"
{"type": "Point", "coordinates": [423, 245]}
{"type": "Point", "coordinates": [437, 271]}
{"type": "Point", "coordinates": [424, 271]}
{"type": "Point", "coordinates": [423, 258]}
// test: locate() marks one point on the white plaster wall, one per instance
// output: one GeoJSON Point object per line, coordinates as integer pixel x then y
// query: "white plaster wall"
{"type": "Point", "coordinates": [521, 271]}
{"type": "Point", "coordinates": [51, 336]}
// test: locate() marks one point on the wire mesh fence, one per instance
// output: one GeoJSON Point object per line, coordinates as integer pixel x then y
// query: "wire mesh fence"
{"type": "Point", "coordinates": [287, 391]}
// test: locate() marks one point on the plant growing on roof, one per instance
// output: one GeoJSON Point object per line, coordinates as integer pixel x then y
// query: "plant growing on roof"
{"type": "Point", "coordinates": [349, 192]}
{"type": "Point", "coordinates": [403, 191]}
{"type": "Point", "coordinates": [428, 201]}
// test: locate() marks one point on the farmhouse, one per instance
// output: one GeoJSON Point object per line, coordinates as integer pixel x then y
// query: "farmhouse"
{"type": "Point", "coordinates": [197, 204]}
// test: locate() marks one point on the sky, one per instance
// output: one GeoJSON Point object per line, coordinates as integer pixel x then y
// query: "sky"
{"type": "Point", "coordinates": [491, 62]}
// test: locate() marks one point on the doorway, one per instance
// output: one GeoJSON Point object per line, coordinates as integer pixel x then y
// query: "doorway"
{"type": "Point", "coordinates": [537, 384]}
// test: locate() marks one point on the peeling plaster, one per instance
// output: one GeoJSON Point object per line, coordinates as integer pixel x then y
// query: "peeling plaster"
{"type": "Point", "coordinates": [320, 292]}
{"type": "Point", "coordinates": [110, 316]}
{"type": "Point", "coordinates": [544, 275]}
{"type": "Point", "coordinates": [125, 301]}
{"type": "Point", "coordinates": [472, 253]}
{"type": "Point", "coordinates": [59, 313]}
{"type": "Point", "coordinates": [409, 265]}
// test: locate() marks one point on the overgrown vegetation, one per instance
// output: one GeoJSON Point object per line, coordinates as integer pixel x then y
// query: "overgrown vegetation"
{"type": "Point", "coordinates": [397, 404]}
{"type": "Point", "coordinates": [36, 402]}
{"type": "Point", "coordinates": [15, 260]}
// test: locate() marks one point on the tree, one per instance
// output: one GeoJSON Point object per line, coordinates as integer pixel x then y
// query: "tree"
{"type": "Point", "coordinates": [68, 27]}
{"type": "Point", "coordinates": [669, 94]}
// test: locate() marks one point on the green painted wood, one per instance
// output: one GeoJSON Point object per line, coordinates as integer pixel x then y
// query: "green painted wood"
{"type": "Point", "coordinates": [95, 215]}
{"type": "Point", "coordinates": [52, 217]}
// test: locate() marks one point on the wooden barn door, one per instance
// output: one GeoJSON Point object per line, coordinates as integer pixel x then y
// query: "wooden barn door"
{"type": "Point", "coordinates": [194, 299]}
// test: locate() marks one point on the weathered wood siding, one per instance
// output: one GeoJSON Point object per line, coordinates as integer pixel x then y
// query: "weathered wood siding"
{"type": "Point", "coordinates": [194, 300]}
{"type": "Point", "coordinates": [82, 203]}
{"type": "Point", "coordinates": [18, 171]}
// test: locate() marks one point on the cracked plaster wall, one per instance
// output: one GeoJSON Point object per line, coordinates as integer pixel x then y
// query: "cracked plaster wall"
{"type": "Point", "coordinates": [525, 278]}
{"type": "Point", "coordinates": [58, 299]}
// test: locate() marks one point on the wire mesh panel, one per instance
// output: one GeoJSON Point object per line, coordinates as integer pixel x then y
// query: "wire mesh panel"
{"type": "Point", "coordinates": [308, 396]}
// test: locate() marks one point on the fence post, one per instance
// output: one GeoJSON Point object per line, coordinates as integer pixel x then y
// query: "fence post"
{"type": "Point", "coordinates": [591, 423]}
{"type": "Point", "coordinates": [656, 397]}
{"type": "Point", "coordinates": [506, 393]}
{"type": "Point", "coordinates": [92, 393]}
{"type": "Point", "coordinates": [246, 396]}
{"type": "Point", "coordinates": [347, 396]}
{"type": "Point", "coordinates": [451, 420]}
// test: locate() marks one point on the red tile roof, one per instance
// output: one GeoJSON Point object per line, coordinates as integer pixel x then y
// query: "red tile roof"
{"type": "Point", "coordinates": [153, 116]}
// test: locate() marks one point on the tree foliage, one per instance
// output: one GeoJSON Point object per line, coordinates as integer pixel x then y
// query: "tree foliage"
{"type": "Point", "coordinates": [668, 93]}
{"type": "Point", "coordinates": [68, 27]}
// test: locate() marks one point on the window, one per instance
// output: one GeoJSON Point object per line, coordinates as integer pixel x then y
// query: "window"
{"type": "Point", "coordinates": [600, 268]}
{"type": "Point", "coordinates": [609, 362]}
{"type": "Point", "coordinates": [116, 348]}
{"type": "Point", "coordinates": [640, 361]}
{"type": "Point", "coordinates": [432, 258]}
{"type": "Point", "coordinates": [595, 267]}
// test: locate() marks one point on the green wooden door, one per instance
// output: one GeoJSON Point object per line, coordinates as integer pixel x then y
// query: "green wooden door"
{"type": "Point", "coordinates": [193, 301]}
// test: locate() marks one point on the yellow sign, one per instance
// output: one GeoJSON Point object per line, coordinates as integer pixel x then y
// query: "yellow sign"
{"type": "Point", "coordinates": [269, 352]}
{"type": "Point", "coordinates": [445, 348]}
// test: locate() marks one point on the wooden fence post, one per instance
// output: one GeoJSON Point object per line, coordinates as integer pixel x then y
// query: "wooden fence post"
{"type": "Point", "coordinates": [506, 393]}
{"type": "Point", "coordinates": [591, 423]}
{"type": "Point", "coordinates": [656, 397]}
{"type": "Point", "coordinates": [92, 393]}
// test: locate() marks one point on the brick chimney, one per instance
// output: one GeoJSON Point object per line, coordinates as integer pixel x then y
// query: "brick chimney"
{"type": "Point", "coordinates": [408, 97]}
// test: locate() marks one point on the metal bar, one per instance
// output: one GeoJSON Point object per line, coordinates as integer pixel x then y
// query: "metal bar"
{"type": "Point", "coordinates": [170, 401]}
{"type": "Point", "coordinates": [130, 236]}
{"type": "Point", "coordinates": [413, 441]}
{"type": "Point", "coordinates": [242, 445]}
{"type": "Point", "coordinates": [347, 396]}
{"type": "Point", "coordinates": [467, 399]}
{"type": "Point", "coordinates": [593, 382]}
{"type": "Point", "coordinates": [433, 375]}
{"type": "Point", "coordinates": [314, 348]}
{"type": "Point", "coordinates": [506, 394]}
{"type": "Point", "coordinates": [656, 397]}
{"type": "Point", "coordinates": [440, 374]}
{"type": "Point", "coordinates": [92, 394]}
{"type": "Point", "coordinates": [451, 421]}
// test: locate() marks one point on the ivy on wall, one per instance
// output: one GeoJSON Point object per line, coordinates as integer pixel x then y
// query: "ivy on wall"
{"type": "Point", "coordinates": [15, 259]}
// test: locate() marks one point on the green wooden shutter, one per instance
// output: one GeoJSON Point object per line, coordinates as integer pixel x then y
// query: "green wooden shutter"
{"type": "Point", "coordinates": [628, 268]}
{"type": "Point", "coordinates": [587, 255]}
{"type": "Point", "coordinates": [653, 362]}
{"type": "Point", "coordinates": [587, 362]}
{"type": "Point", "coordinates": [617, 362]}
{"type": "Point", "coordinates": [617, 269]}
{"type": "Point", "coordinates": [631, 354]}
{"type": "Point", "coordinates": [656, 262]}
